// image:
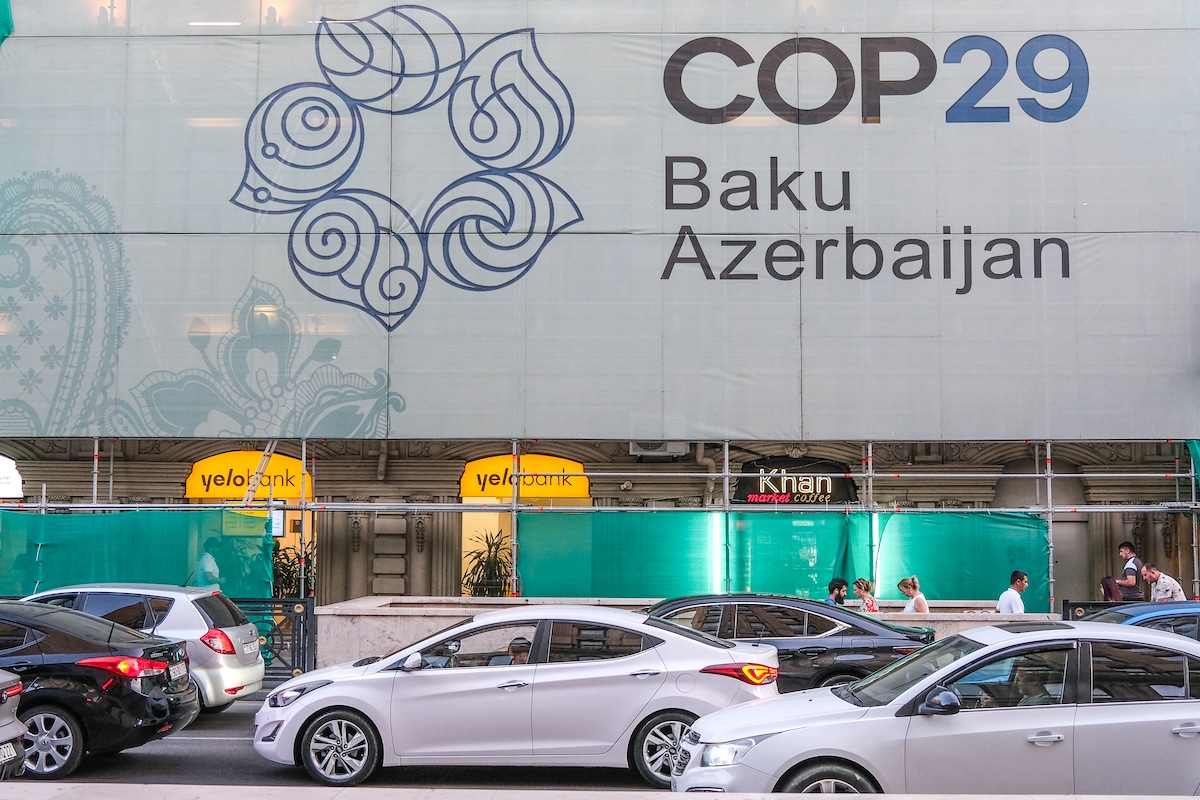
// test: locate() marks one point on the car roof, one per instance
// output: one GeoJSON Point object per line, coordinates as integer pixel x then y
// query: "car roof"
{"type": "Point", "coordinates": [607, 614]}
{"type": "Point", "coordinates": [1033, 632]}
{"type": "Point", "coordinates": [163, 589]}
{"type": "Point", "coordinates": [1141, 610]}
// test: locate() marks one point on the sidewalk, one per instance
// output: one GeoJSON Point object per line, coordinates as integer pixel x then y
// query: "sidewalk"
{"type": "Point", "coordinates": [47, 790]}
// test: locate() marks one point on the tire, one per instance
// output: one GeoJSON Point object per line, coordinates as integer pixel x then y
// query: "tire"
{"type": "Point", "coordinates": [839, 679]}
{"type": "Point", "coordinates": [53, 742]}
{"type": "Point", "coordinates": [656, 744]}
{"type": "Point", "coordinates": [829, 778]}
{"type": "Point", "coordinates": [340, 748]}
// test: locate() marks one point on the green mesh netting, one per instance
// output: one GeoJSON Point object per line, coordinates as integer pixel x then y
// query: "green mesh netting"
{"type": "Point", "coordinates": [956, 556]}
{"type": "Point", "coordinates": [44, 551]}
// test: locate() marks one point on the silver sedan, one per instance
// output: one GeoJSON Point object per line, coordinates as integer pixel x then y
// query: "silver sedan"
{"type": "Point", "coordinates": [1023, 708]}
{"type": "Point", "coordinates": [532, 686]}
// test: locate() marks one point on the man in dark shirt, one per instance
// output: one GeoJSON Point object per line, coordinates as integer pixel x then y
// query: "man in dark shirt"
{"type": "Point", "coordinates": [1131, 577]}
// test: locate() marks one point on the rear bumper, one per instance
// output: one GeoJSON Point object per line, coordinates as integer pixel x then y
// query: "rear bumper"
{"type": "Point", "coordinates": [126, 719]}
{"type": "Point", "coordinates": [220, 685]}
{"type": "Point", "coordinates": [13, 767]}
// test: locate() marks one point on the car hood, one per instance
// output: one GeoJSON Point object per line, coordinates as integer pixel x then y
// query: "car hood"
{"type": "Point", "coordinates": [335, 672]}
{"type": "Point", "coordinates": [775, 714]}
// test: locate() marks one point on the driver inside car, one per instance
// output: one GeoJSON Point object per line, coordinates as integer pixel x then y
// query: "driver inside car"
{"type": "Point", "coordinates": [518, 650]}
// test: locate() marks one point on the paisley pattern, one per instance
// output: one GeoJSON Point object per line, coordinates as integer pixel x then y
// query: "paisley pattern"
{"type": "Point", "coordinates": [64, 304]}
{"type": "Point", "coordinates": [253, 385]}
{"type": "Point", "coordinates": [507, 112]}
{"type": "Point", "coordinates": [64, 308]}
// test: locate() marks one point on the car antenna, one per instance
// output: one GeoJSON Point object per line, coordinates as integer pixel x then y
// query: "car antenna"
{"type": "Point", "coordinates": [188, 579]}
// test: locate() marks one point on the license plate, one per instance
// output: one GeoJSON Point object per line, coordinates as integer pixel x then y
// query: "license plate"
{"type": "Point", "coordinates": [250, 647]}
{"type": "Point", "coordinates": [7, 752]}
{"type": "Point", "coordinates": [178, 670]}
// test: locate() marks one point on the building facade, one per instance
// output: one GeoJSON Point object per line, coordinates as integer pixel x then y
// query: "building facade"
{"type": "Point", "coordinates": [943, 244]}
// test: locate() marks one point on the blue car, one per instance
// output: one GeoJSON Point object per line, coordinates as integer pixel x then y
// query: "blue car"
{"type": "Point", "coordinates": [1182, 617]}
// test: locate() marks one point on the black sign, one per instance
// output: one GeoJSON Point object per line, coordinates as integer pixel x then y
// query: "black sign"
{"type": "Point", "coordinates": [795, 481]}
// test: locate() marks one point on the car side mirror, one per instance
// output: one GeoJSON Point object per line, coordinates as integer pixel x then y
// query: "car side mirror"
{"type": "Point", "coordinates": [939, 702]}
{"type": "Point", "coordinates": [412, 663]}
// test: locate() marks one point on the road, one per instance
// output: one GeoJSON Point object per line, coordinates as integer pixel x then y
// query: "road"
{"type": "Point", "coordinates": [216, 749]}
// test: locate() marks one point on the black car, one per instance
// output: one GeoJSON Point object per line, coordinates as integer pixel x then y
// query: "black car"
{"type": "Point", "coordinates": [819, 644]}
{"type": "Point", "coordinates": [90, 686]}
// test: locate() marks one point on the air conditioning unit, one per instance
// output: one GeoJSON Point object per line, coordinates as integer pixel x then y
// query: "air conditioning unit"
{"type": "Point", "coordinates": [659, 448]}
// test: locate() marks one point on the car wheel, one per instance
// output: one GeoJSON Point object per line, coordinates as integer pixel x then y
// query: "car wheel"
{"type": "Point", "coordinates": [829, 779]}
{"type": "Point", "coordinates": [656, 745]}
{"type": "Point", "coordinates": [838, 680]}
{"type": "Point", "coordinates": [53, 742]}
{"type": "Point", "coordinates": [340, 748]}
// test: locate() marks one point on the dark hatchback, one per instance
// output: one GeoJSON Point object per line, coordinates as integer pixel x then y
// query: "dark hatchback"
{"type": "Point", "coordinates": [818, 644]}
{"type": "Point", "coordinates": [90, 686]}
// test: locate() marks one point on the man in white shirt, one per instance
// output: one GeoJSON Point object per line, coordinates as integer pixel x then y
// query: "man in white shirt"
{"type": "Point", "coordinates": [1010, 602]}
{"type": "Point", "coordinates": [1162, 586]}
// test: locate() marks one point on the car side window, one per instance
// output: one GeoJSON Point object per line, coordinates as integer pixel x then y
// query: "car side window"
{"type": "Point", "coordinates": [762, 620]}
{"type": "Point", "coordinates": [489, 647]}
{"type": "Point", "coordinates": [705, 618]}
{"type": "Point", "coordinates": [1124, 673]}
{"type": "Point", "coordinates": [818, 624]}
{"type": "Point", "coordinates": [1027, 679]}
{"type": "Point", "coordinates": [583, 641]}
{"type": "Point", "coordinates": [1184, 625]}
{"type": "Point", "coordinates": [60, 600]}
{"type": "Point", "coordinates": [124, 609]}
{"type": "Point", "coordinates": [11, 636]}
{"type": "Point", "coordinates": [159, 606]}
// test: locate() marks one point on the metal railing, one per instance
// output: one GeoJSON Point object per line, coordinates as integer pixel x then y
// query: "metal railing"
{"type": "Point", "coordinates": [287, 635]}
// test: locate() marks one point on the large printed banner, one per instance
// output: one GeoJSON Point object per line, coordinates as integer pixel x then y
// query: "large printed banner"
{"type": "Point", "coordinates": [603, 219]}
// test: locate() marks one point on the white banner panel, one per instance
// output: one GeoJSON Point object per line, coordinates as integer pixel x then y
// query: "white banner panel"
{"type": "Point", "coordinates": [950, 219]}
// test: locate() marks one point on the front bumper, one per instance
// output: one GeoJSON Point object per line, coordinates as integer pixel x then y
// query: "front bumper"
{"type": "Point", "coordinates": [734, 778]}
{"type": "Point", "coordinates": [275, 731]}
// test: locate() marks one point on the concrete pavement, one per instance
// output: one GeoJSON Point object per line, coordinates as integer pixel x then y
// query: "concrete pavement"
{"type": "Point", "coordinates": [49, 790]}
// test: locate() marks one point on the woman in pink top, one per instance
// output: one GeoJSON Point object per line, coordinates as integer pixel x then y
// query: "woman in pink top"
{"type": "Point", "coordinates": [862, 590]}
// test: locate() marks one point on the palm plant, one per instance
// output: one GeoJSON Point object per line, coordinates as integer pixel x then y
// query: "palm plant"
{"type": "Point", "coordinates": [489, 567]}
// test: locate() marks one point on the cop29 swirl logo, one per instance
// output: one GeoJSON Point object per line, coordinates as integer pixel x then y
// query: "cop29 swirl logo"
{"type": "Point", "coordinates": [507, 112]}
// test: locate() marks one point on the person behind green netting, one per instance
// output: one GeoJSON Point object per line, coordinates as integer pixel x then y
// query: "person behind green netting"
{"type": "Point", "coordinates": [207, 574]}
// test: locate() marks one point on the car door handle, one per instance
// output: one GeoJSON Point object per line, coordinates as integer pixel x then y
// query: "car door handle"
{"type": "Point", "coordinates": [646, 673]}
{"type": "Point", "coordinates": [513, 685]}
{"type": "Point", "coordinates": [1046, 739]}
{"type": "Point", "coordinates": [1187, 730]}
{"type": "Point", "coordinates": [813, 652]}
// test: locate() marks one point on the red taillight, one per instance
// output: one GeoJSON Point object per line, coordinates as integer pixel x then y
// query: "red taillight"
{"type": "Point", "coordinates": [218, 642]}
{"type": "Point", "coordinates": [753, 674]}
{"type": "Point", "coordinates": [905, 649]}
{"type": "Point", "coordinates": [127, 666]}
{"type": "Point", "coordinates": [14, 690]}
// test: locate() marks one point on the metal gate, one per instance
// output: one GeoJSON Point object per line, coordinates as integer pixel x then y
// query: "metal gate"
{"type": "Point", "coordinates": [287, 635]}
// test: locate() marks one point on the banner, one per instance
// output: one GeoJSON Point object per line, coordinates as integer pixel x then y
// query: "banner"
{"type": "Point", "coordinates": [954, 220]}
{"type": "Point", "coordinates": [6, 20]}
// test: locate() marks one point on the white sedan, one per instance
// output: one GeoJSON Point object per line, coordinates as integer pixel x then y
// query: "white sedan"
{"type": "Point", "coordinates": [1025, 708]}
{"type": "Point", "coordinates": [534, 685]}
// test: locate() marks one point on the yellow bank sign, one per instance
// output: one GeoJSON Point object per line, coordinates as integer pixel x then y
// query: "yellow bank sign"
{"type": "Point", "coordinates": [226, 476]}
{"type": "Point", "coordinates": [540, 477]}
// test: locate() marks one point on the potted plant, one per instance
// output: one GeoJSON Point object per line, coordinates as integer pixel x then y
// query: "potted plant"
{"type": "Point", "coordinates": [489, 567]}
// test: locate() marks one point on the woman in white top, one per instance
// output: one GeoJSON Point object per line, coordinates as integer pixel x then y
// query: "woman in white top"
{"type": "Point", "coordinates": [910, 587]}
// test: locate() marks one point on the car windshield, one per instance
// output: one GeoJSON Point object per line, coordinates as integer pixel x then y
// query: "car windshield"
{"type": "Point", "coordinates": [893, 680]}
{"type": "Point", "coordinates": [434, 635]}
{"type": "Point", "coordinates": [221, 612]}
{"type": "Point", "coordinates": [87, 627]}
